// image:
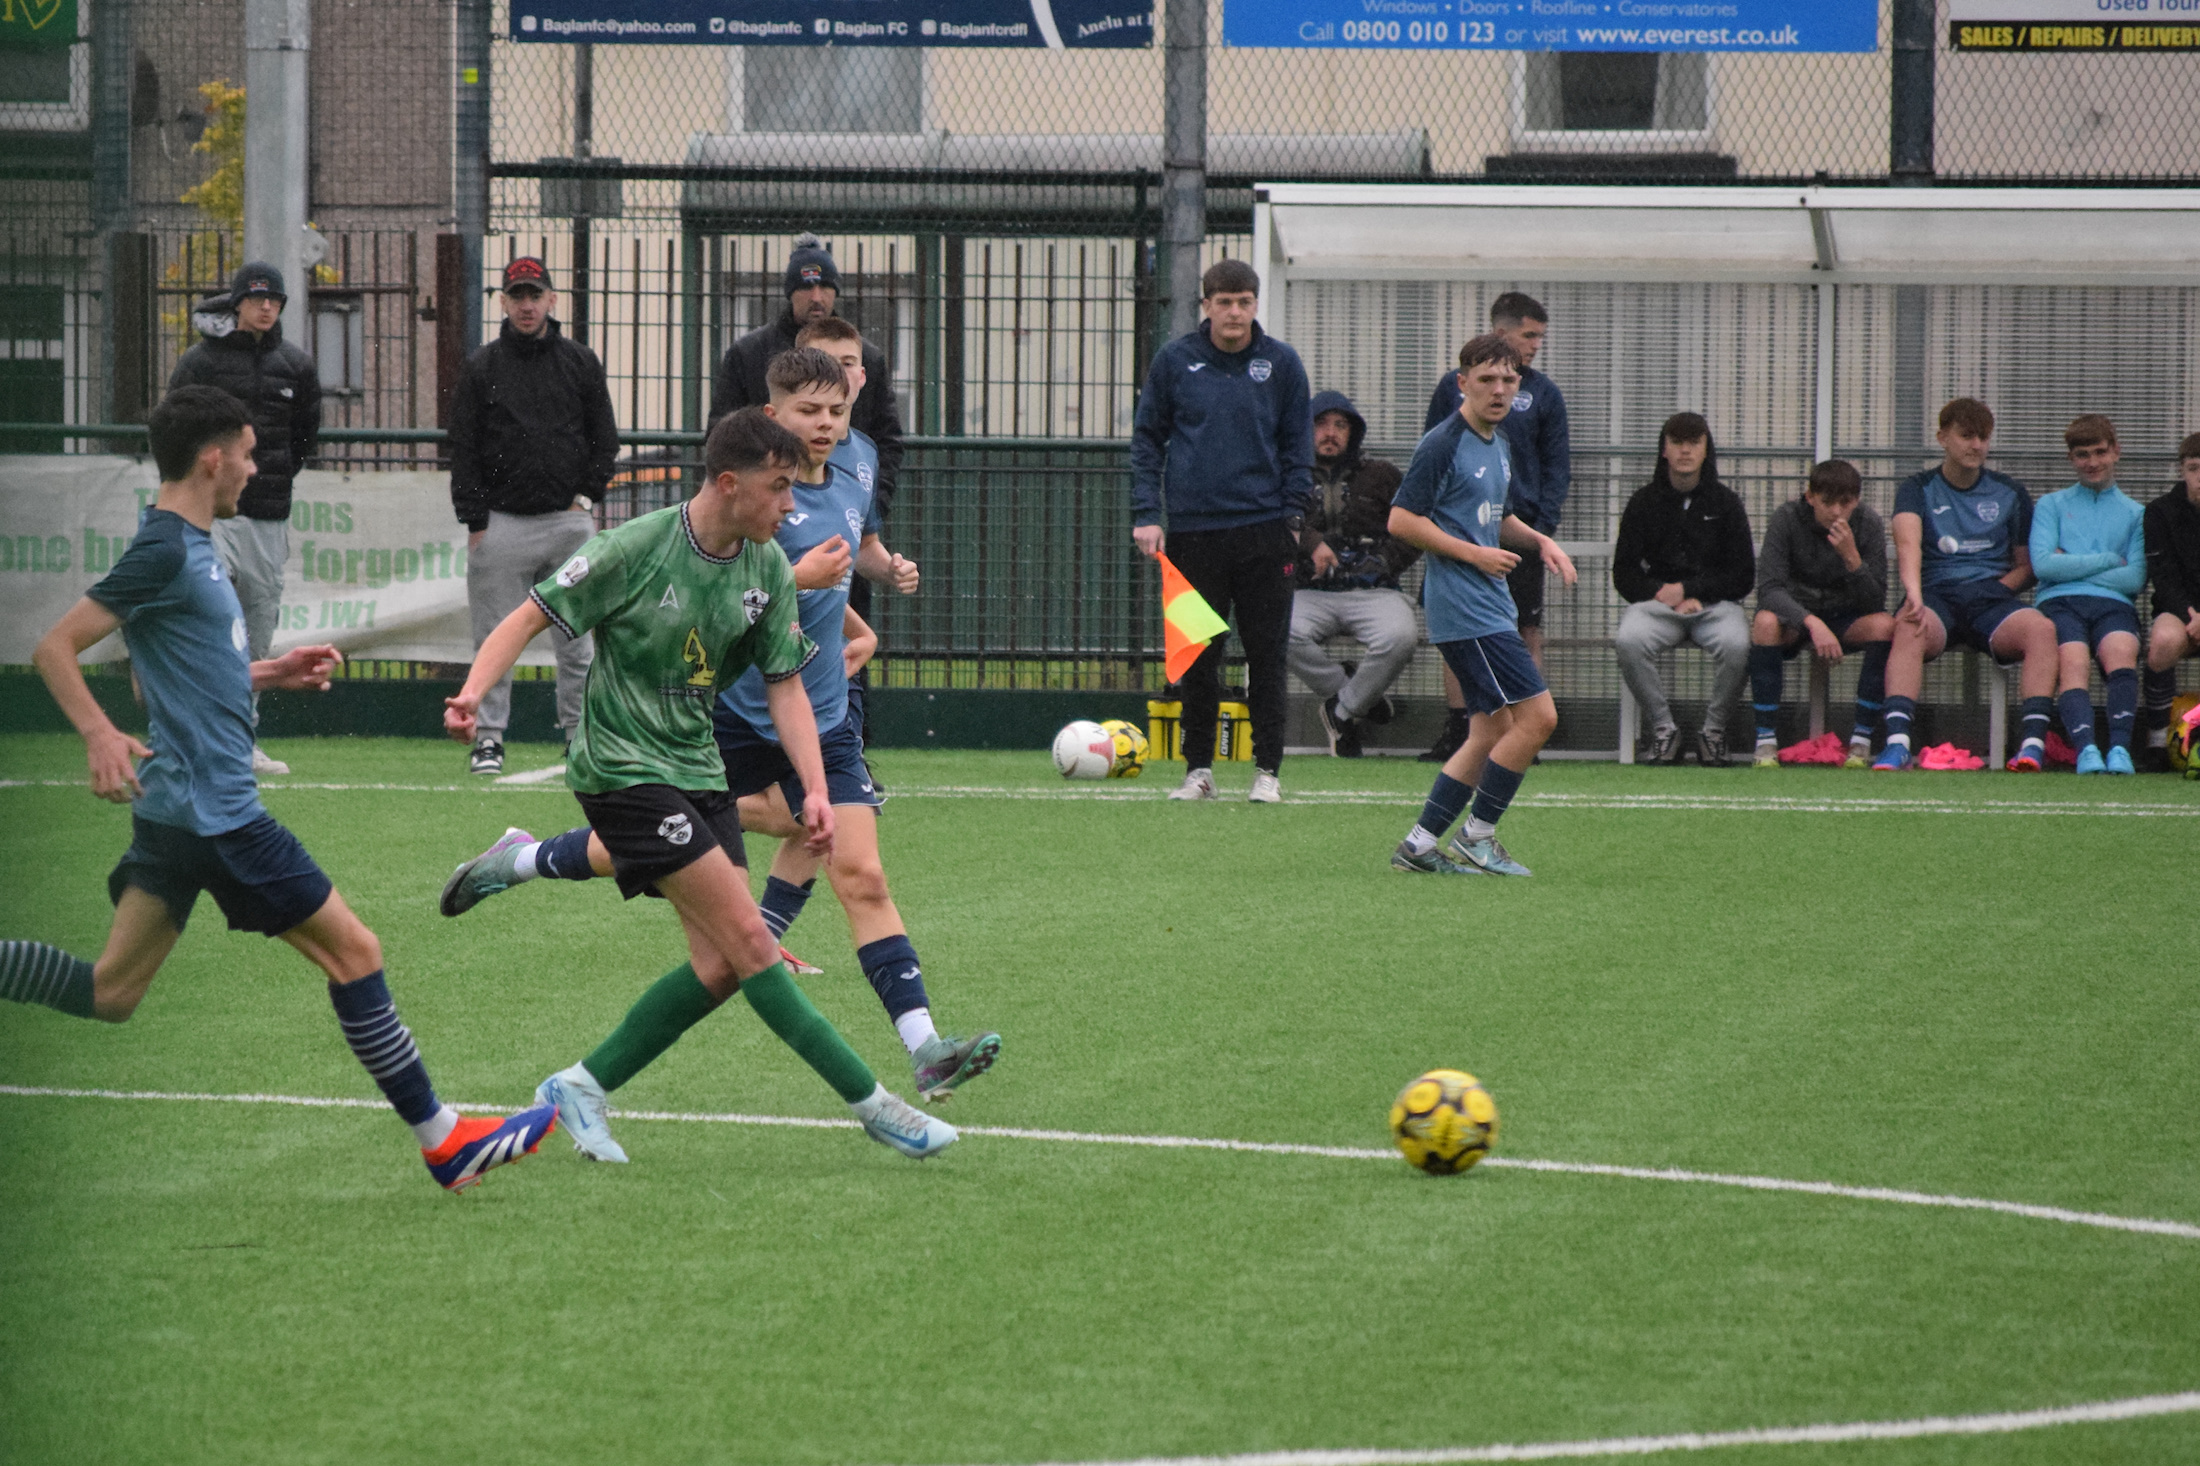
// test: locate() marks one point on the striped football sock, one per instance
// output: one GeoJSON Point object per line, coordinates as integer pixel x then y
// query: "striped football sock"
{"type": "Point", "coordinates": [32, 972]}
{"type": "Point", "coordinates": [384, 1047]}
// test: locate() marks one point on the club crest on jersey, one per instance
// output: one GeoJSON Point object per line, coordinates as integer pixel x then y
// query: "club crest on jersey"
{"type": "Point", "coordinates": [1522, 401]}
{"type": "Point", "coordinates": [753, 602]}
{"type": "Point", "coordinates": [1260, 369]}
{"type": "Point", "coordinates": [1988, 512]}
{"type": "Point", "coordinates": [863, 474]}
{"type": "Point", "coordinates": [573, 571]}
{"type": "Point", "coordinates": [676, 829]}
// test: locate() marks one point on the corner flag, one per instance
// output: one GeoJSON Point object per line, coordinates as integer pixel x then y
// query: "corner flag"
{"type": "Point", "coordinates": [1190, 623]}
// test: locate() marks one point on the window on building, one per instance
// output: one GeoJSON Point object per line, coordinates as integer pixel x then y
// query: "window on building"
{"type": "Point", "coordinates": [832, 89]}
{"type": "Point", "coordinates": [1615, 91]}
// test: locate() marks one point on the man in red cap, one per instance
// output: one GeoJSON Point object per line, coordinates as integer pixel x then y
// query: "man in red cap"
{"type": "Point", "coordinates": [532, 444]}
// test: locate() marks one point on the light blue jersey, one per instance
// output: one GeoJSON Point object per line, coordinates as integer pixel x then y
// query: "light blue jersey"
{"type": "Point", "coordinates": [2089, 542]}
{"type": "Point", "coordinates": [185, 631]}
{"type": "Point", "coordinates": [1461, 480]}
{"type": "Point", "coordinates": [845, 505]}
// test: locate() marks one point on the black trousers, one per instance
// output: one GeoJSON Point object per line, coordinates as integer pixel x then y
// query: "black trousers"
{"type": "Point", "coordinates": [1245, 574]}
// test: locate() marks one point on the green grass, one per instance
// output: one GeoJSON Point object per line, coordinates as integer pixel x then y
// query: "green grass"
{"type": "Point", "coordinates": [1958, 997]}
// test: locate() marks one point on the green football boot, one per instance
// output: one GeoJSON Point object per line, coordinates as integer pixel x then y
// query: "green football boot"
{"type": "Point", "coordinates": [943, 1064]}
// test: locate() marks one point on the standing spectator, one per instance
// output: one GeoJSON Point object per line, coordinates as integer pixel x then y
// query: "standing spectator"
{"type": "Point", "coordinates": [2088, 548]}
{"type": "Point", "coordinates": [1349, 566]}
{"type": "Point", "coordinates": [243, 353]}
{"type": "Point", "coordinates": [1684, 560]}
{"type": "Point", "coordinates": [812, 289]}
{"type": "Point", "coordinates": [2173, 558]}
{"type": "Point", "coordinates": [1543, 474]}
{"type": "Point", "coordinates": [1224, 441]}
{"type": "Point", "coordinates": [532, 444]}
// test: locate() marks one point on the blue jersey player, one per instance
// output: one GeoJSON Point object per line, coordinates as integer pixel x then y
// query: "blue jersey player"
{"type": "Point", "coordinates": [1452, 505]}
{"type": "Point", "coordinates": [1961, 548]}
{"type": "Point", "coordinates": [197, 824]}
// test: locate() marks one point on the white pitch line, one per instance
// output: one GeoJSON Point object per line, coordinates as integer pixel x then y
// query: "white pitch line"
{"type": "Point", "coordinates": [2102, 1220]}
{"type": "Point", "coordinates": [2100, 1412]}
{"type": "Point", "coordinates": [532, 776]}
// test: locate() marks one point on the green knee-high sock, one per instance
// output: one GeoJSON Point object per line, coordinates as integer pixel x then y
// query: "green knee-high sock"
{"type": "Point", "coordinates": [674, 1004]}
{"type": "Point", "coordinates": [787, 1012]}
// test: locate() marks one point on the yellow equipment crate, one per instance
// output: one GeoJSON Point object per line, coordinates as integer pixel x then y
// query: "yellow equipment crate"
{"type": "Point", "coordinates": [1233, 731]}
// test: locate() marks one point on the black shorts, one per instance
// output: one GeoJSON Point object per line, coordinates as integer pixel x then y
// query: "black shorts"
{"type": "Point", "coordinates": [258, 874]}
{"type": "Point", "coordinates": [1840, 623]}
{"type": "Point", "coordinates": [1526, 584]}
{"type": "Point", "coordinates": [653, 830]}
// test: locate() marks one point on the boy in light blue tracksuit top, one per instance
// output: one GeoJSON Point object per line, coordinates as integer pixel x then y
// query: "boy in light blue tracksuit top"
{"type": "Point", "coordinates": [2089, 551]}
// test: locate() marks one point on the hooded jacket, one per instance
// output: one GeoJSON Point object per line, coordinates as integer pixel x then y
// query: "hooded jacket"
{"type": "Point", "coordinates": [1351, 513]}
{"type": "Point", "coordinates": [2173, 553]}
{"type": "Point", "coordinates": [740, 383]}
{"type": "Point", "coordinates": [1224, 438]}
{"type": "Point", "coordinates": [531, 427]}
{"type": "Point", "coordinates": [1704, 546]}
{"type": "Point", "coordinates": [278, 385]}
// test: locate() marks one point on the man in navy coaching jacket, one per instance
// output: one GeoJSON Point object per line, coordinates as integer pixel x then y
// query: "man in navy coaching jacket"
{"type": "Point", "coordinates": [1224, 442]}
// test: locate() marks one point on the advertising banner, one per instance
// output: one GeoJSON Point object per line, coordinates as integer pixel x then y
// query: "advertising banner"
{"type": "Point", "coordinates": [1055, 24]}
{"type": "Point", "coordinates": [2074, 25]}
{"type": "Point", "coordinates": [1555, 25]}
{"type": "Point", "coordinates": [37, 23]}
{"type": "Point", "coordinates": [377, 563]}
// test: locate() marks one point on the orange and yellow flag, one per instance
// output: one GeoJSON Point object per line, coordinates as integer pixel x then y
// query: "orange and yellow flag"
{"type": "Point", "coordinates": [1189, 621]}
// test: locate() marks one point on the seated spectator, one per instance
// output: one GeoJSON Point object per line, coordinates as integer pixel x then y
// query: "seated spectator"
{"type": "Point", "coordinates": [2173, 559]}
{"type": "Point", "coordinates": [2089, 550]}
{"type": "Point", "coordinates": [1960, 584]}
{"type": "Point", "coordinates": [1821, 584]}
{"type": "Point", "coordinates": [1347, 579]}
{"type": "Point", "coordinates": [1684, 560]}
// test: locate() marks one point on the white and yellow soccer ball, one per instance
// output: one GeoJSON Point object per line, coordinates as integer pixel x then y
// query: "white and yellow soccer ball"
{"type": "Point", "coordinates": [1444, 1122]}
{"type": "Point", "coordinates": [1129, 759]}
{"type": "Point", "coordinates": [1084, 750]}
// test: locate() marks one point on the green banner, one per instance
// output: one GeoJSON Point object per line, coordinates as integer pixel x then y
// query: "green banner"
{"type": "Point", "coordinates": [40, 23]}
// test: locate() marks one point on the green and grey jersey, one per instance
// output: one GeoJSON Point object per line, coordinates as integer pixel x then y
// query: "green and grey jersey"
{"type": "Point", "coordinates": [674, 626]}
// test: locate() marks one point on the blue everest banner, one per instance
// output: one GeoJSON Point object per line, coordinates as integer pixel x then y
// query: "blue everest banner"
{"type": "Point", "coordinates": [1555, 25]}
{"type": "Point", "coordinates": [1055, 24]}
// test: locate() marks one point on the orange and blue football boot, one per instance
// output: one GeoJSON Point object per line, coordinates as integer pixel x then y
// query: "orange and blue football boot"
{"type": "Point", "coordinates": [476, 1146]}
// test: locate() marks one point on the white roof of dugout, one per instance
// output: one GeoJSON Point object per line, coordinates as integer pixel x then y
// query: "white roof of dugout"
{"type": "Point", "coordinates": [1965, 236]}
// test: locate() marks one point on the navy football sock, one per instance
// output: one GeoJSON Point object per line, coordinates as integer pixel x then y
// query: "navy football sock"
{"type": "Point", "coordinates": [1492, 797]}
{"type": "Point", "coordinates": [2161, 691]}
{"type": "Point", "coordinates": [890, 963]}
{"type": "Point", "coordinates": [783, 902]}
{"type": "Point", "coordinates": [1447, 800]}
{"type": "Point", "coordinates": [384, 1046]}
{"type": "Point", "coordinates": [1871, 689]}
{"type": "Point", "coordinates": [2076, 709]}
{"type": "Point", "coordinates": [1900, 710]}
{"type": "Point", "coordinates": [32, 972]}
{"type": "Point", "coordinates": [2036, 710]}
{"type": "Point", "coordinates": [2123, 706]}
{"type": "Point", "coordinates": [565, 857]}
{"type": "Point", "coordinates": [1764, 690]}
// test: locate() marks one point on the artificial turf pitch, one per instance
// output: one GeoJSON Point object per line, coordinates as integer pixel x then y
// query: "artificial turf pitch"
{"type": "Point", "coordinates": [1985, 988]}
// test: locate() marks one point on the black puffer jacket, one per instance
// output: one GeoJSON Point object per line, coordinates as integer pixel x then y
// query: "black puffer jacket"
{"type": "Point", "coordinates": [531, 427]}
{"type": "Point", "coordinates": [278, 385]}
{"type": "Point", "coordinates": [740, 383]}
{"type": "Point", "coordinates": [1351, 513]}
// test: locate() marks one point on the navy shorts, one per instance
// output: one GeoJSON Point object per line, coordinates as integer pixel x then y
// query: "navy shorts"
{"type": "Point", "coordinates": [1837, 622]}
{"type": "Point", "coordinates": [258, 874]}
{"type": "Point", "coordinates": [654, 830]}
{"type": "Point", "coordinates": [2086, 619]}
{"type": "Point", "coordinates": [754, 763]}
{"type": "Point", "coordinates": [1971, 611]}
{"type": "Point", "coordinates": [1493, 671]}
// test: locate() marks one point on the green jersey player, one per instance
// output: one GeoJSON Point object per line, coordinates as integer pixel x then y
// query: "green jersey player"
{"type": "Point", "coordinates": [683, 601]}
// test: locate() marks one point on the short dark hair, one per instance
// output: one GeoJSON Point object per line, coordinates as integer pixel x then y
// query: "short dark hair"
{"type": "Point", "coordinates": [832, 328]}
{"type": "Point", "coordinates": [2190, 448]}
{"type": "Point", "coordinates": [1228, 277]}
{"type": "Point", "coordinates": [2085, 431]}
{"type": "Point", "coordinates": [1686, 427]}
{"type": "Point", "coordinates": [749, 438]}
{"type": "Point", "coordinates": [1968, 415]}
{"type": "Point", "coordinates": [1512, 308]}
{"type": "Point", "coordinates": [1836, 480]}
{"type": "Point", "coordinates": [1485, 348]}
{"type": "Point", "coordinates": [805, 366]}
{"type": "Point", "coordinates": [188, 419]}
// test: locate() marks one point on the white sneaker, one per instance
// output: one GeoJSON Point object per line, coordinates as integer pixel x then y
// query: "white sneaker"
{"type": "Point", "coordinates": [1198, 784]}
{"type": "Point", "coordinates": [1267, 789]}
{"type": "Point", "coordinates": [890, 1120]}
{"type": "Point", "coordinates": [581, 1106]}
{"type": "Point", "coordinates": [263, 766]}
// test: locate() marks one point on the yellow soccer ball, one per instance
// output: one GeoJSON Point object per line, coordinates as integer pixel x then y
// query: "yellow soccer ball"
{"type": "Point", "coordinates": [1444, 1121]}
{"type": "Point", "coordinates": [1130, 749]}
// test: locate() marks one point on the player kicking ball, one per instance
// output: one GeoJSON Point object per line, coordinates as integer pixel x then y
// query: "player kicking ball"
{"type": "Point", "coordinates": [683, 602]}
{"type": "Point", "coordinates": [1452, 506]}
{"type": "Point", "coordinates": [196, 819]}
